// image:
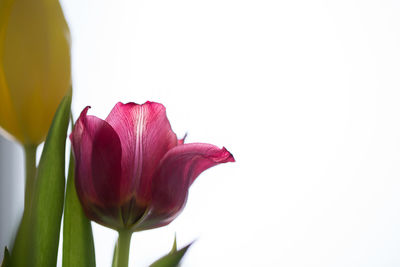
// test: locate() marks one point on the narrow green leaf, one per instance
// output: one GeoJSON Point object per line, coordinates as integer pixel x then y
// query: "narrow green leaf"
{"type": "Point", "coordinates": [6, 258]}
{"type": "Point", "coordinates": [48, 198]}
{"type": "Point", "coordinates": [36, 243]}
{"type": "Point", "coordinates": [114, 262]}
{"type": "Point", "coordinates": [20, 253]}
{"type": "Point", "coordinates": [78, 246]}
{"type": "Point", "coordinates": [174, 246]}
{"type": "Point", "coordinates": [173, 258]}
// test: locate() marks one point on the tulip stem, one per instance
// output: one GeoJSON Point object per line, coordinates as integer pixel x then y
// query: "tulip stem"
{"type": "Point", "coordinates": [122, 249]}
{"type": "Point", "coordinates": [30, 173]}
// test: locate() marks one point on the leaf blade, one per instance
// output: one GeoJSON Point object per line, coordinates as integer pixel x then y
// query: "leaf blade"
{"type": "Point", "coordinates": [78, 245]}
{"type": "Point", "coordinates": [173, 258]}
{"type": "Point", "coordinates": [6, 258]}
{"type": "Point", "coordinates": [48, 200]}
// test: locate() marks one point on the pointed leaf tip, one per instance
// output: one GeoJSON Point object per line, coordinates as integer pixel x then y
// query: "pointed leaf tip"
{"type": "Point", "coordinates": [174, 247]}
{"type": "Point", "coordinates": [6, 258]}
{"type": "Point", "coordinates": [173, 258]}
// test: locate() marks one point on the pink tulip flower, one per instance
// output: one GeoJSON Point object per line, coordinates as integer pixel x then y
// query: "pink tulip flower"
{"type": "Point", "coordinates": [131, 170]}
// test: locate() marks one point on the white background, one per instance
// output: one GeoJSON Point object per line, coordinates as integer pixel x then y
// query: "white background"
{"type": "Point", "coordinates": [305, 94]}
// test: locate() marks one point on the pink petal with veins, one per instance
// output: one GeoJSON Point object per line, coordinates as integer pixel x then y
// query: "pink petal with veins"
{"type": "Point", "coordinates": [146, 136]}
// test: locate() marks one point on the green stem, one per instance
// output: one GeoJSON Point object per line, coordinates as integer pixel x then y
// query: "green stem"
{"type": "Point", "coordinates": [30, 173]}
{"type": "Point", "coordinates": [122, 249]}
{"type": "Point", "coordinates": [22, 240]}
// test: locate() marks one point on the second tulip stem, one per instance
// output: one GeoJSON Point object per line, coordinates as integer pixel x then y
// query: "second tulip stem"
{"type": "Point", "coordinates": [30, 173]}
{"type": "Point", "coordinates": [22, 240]}
{"type": "Point", "coordinates": [122, 249]}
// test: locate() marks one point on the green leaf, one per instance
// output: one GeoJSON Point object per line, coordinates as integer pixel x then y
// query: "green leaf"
{"type": "Point", "coordinates": [36, 244]}
{"type": "Point", "coordinates": [174, 246]}
{"type": "Point", "coordinates": [21, 253]}
{"type": "Point", "coordinates": [78, 246]}
{"type": "Point", "coordinates": [173, 258]}
{"type": "Point", "coordinates": [48, 198]}
{"type": "Point", "coordinates": [6, 258]}
{"type": "Point", "coordinates": [114, 262]}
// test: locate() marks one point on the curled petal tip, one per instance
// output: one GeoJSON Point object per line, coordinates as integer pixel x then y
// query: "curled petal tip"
{"type": "Point", "coordinates": [221, 156]}
{"type": "Point", "coordinates": [182, 141]}
{"type": "Point", "coordinates": [85, 110]}
{"type": "Point", "coordinates": [228, 157]}
{"type": "Point", "coordinates": [83, 115]}
{"type": "Point", "coordinates": [79, 124]}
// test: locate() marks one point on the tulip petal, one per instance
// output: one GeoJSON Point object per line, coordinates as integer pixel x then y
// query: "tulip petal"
{"type": "Point", "coordinates": [106, 165]}
{"type": "Point", "coordinates": [177, 171]}
{"type": "Point", "coordinates": [37, 67]}
{"type": "Point", "coordinates": [97, 151]}
{"type": "Point", "coordinates": [8, 119]}
{"type": "Point", "coordinates": [146, 135]}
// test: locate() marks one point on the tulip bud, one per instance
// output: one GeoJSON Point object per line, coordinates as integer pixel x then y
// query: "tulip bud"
{"type": "Point", "coordinates": [34, 67]}
{"type": "Point", "coordinates": [132, 173]}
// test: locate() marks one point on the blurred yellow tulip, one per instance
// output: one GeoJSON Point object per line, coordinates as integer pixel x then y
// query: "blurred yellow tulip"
{"type": "Point", "coordinates": [35, 66]}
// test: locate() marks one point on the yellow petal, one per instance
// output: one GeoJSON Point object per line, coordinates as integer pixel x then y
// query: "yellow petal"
{"type": "Point", "coordinates": [8, 120]}
{"type": "Point", "coordinates": [36, 65]}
